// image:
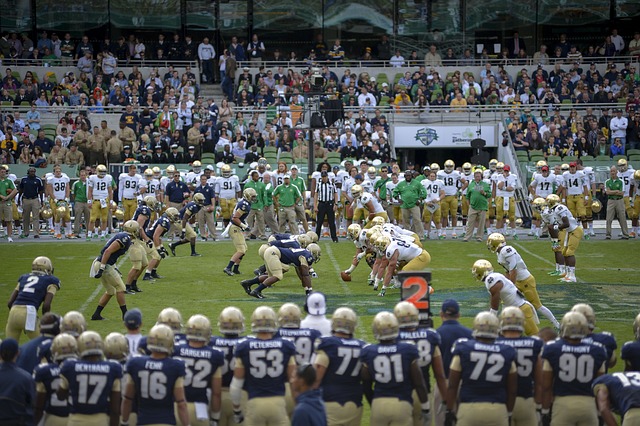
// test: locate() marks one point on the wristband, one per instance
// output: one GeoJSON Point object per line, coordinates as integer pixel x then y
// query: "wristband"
{"type": "Point", "coordinates": [586, 197]}
{"type": "Point", "coordinates": [215, 416]}
{"type": "Point", "coordinates": [102, 266]}
{"type": "Point", "coordinates": [493, 311]}
{"type": "Point", "coordinates": [184, 229]}
{"type": "Point", "coordinates": [545, 411]}
{"type": "Point", "coordinates": [425, 406]}
{"type": "Point", "coordinates": [123, 423]}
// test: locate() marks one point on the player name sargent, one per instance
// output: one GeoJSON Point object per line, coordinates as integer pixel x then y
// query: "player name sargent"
{"type": "Point", "coordinates": [194, 353]}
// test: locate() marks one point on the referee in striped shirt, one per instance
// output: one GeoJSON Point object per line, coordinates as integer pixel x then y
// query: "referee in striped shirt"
{"type": "Point", "coordinates": [325, 202]}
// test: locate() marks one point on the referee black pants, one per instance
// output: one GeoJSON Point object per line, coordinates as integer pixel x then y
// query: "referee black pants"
{"type": "Point", "coordinates": [325, 211]}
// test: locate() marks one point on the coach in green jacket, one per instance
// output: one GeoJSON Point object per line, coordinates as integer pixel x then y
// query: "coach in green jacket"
{"type": "Point", "coordinates": [411, 193]}
{"type": "Point", "coordinates": [478, 194]}
{"type": "Point", "coordinates": [256, 215]}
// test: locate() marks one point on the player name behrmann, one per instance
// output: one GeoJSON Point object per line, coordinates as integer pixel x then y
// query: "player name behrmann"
{"type": "Point", "coordinates": [257, 344]}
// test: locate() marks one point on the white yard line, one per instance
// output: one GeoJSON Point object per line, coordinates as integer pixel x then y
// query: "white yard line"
{"type": "Point", "coordinates": [547, 261]}
{"type": "Point", "coordinates": [345, 287]}
{"type": "Point", "coordinates": [99, 289]}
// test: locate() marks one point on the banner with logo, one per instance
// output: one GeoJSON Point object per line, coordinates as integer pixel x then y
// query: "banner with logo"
{"type": "Point", "coordinates": [442, 136]}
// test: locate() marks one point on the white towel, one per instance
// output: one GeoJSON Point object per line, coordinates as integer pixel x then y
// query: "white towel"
{"type": "Point", "coordinates": [32, 318]}
{"type": "Point", "coordinates": [225, 233]}
{"type": "Point", "coordinates": [95, 266]}
{"type": "Point", "coordinates": [202, 411]}
{"type": "Point", "coordinates": [505, 204]}
{"type": "Point", "coordinates": [432, 208]}
{"type": "Point", "coordinates": [103, 204]}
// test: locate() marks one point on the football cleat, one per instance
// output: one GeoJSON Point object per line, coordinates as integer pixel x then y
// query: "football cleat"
{"type": "Point", "coordinates": [228, 271]}
{"type": "Point", "coordinates": [256, 294]}
{"type": "Point", "coordinates": [246, 284]}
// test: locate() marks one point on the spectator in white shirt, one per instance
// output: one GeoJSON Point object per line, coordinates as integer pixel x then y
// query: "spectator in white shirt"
{"type": "Point", "coordinates": [618, 126]}
{"type": "Point", "coordinates": [617, 40]}
{"type": "Point", "coordinates": [206, 53]}
{"type": "Point", "coordinates": [397, 60]}
{"type": "Point", "coordinates": [365, 96]}
{"type": "Point", "coordinates": [109, 64]}
{"type": "Point", "coordinates": [348, 135]}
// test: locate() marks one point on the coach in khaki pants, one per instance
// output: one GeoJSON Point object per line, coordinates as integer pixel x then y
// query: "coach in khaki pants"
{"type": "Point", "coordinates": [31, 193]}
{"type": "Point", "coordinates": [615, 204]}
{"type": "Point", "coordinates": [205, 215]}
{"type": "Point", "coordinates": [478, 194]}
{"type": "Point", "coordinates": [81, 208]}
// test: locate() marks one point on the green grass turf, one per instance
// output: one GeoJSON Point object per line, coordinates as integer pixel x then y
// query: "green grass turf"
{"type": "Point", "coordinates": [608, 270]}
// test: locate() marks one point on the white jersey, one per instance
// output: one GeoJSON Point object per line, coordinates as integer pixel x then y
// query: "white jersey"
{"type": "Point", "coordinates": [152, 187]}
{"type": "Point", "coordinates": [487, 174]}
{"type": "Point", "coordinates": [227, 187]}
{"type": "Point", "coordinates": [373, 181]}
{"type": "Point", "coordinates": [559, 180]}
{"type": "Point", "coordinates": [560, 211]}
{"type": "Point", "coordinates": [626, 177]}
{"type": "Point", "coordinates": [100, 186]}
{"type": "Point", "coordinates": [509, 293]}
{"type": "Point", "coordinates": [451, 181]}
{"type": "Point", "coordinates": [59, 186]}
{"type": "Point", "coordinates": [468, 178]}
{"type": "Point", "coordinates": [367, 198]}
{"type": "Point", "coordinates": [212, 182]}
{"type": "Point", "coordinates": [511, 180]}
{"type": "Point", "coordinates": [589, 177]}
{"type": "Point", "coordinates": [573, 182]}
{"type": "Point", "coordinates": [510, 259]}
{"type": "Point", "coordinates": [367, 186]}
{"type": "Point", "coordinates": [406, 251]}
{"type": "Point", "coordinates": [398, 232]}
{"type": "Point", "coordinates": [341, 177]}
{"type": "Point", "coordinates": [193, 178]}
{"type": "Point", "coordinates": [547, 216]}
{"type": "Point", "coordinates": [390, 187]}
{"type": "Point", "coordinates": [361, 241]}
{"type": "Point", "coordinates": [128, 186]}
{"type": "Point", "coordinates": [164, 181]}
{"type": "Point", "coordinates": [346, 187]}
{"type": "Point", "coordinates": [433, 188]}
{"type": "Point", "coordinates": [543, 186]}
{"type": "Point", "coordinates": [636, 184]}
{"type": "Point", "coordinates": [317, 176]}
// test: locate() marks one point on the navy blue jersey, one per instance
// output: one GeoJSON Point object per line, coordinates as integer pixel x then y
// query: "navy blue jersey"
{"type": "Point", "coordinates": [528, 350]}
{"type": "Point", "coordinates": [178, 339]}
{"type": "Point", "coordinates": [283, 236]}
{"type": "Point", "coordinates": [304, 339]}
{"type": "Point", "coordinates": [162, 222]}
{"type": "Point", "coordinates": [28, 358]}
{"type": "Point", "coordinates": [426, 340]}
{"type": "Point", "coordinates": [265, 363]}
{"type": "Point", "coordinates": [630, 353]}
{"type": "Point", "coordinates": [245, 207]}
{"type": "Point", "coordinates": [292, 256]}
{"type": "Point", "coordinates": [124, 240]}
{"type": "Point", "coordinates": [290, 243]}
{"type": "Point", "coordinates": [484, 370]}
{"type": "Point", "coordinates": [32, 288]}
{"type": "Point", "coordinates": [208, 192]}
{"type": "Point", "coordinates": [624, 390]}
{"type": "Point", "coordinates": [44, 351]}
{"type": "Point", "coordinates": [190, 207]}
{"type": "Point", "coordinates": [574, 366]}
{"type": "Point", "coordinates": [47, 378]}
{"type": "Point", "coordinates": [201, 364]}
{"type": "Point", "coordinates": [227, 345]}
{"type": "Point", "coordinates": [143, 210]}
{"type": "Point", "coordinates": [390, 369]}
{"type": "Point", "coordinates": [154, 380]}
{"type": "Point", "coordinates": [90, 384]}
{"type": "Point", "coordinates": [606, 339]}
{"type": "Point", "coordinates": [341, 382]}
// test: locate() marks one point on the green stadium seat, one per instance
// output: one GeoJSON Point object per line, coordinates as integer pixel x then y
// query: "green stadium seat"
{"type": "Point", "coordinates": [633, 152]}
{"type": "Point", "coordinates": [634, 157]}
{"type": "Point", "coordinates": [397, 78]}
{"type": "Point", "coordinates": [382, 78]}
{"type": "Point", "coordinates": [619, 157]}
{"type": "Point", "coordinates": [569, 158]}
{"type": "Point", "coordinates": [603, 158]}
{"type": "Point", "coordinates": [587, 159]}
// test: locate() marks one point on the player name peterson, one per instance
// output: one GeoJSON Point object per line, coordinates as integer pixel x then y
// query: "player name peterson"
{"type": "Point", "coordinates": [260, 344]}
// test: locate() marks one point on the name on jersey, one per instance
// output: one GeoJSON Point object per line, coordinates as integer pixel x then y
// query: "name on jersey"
{"type": "Point", "coordinates": [349, 342]}
{"type": "Point", "coordinates": [576, 349]}
{"type": "Point", "coordinates": [261, 344]}
{"type": "Point", "coordinates": [92, 368]}
{"type": "Point", "coordinates": [226, 342]}
{"type": "Point", "coordinates": [485, 347]}
{"type": "Point", "coordinates": [153, 365]}
{"type": "Point", "coordinates": [295, 332]}
{"type": "Point", "coordinates": [194, 353]}
{"type": "Point", "coordinates": [416, 334]}
{"type": "Point", "coordinates": [387, 349]}
{"type": "Point", "coordinates": [526, 343]}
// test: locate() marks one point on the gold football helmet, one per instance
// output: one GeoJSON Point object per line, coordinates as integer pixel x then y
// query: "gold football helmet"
{"type": "Point", "coordinates": [225, 170]}
{"type": "Point", "coordinates": [344, 320]}
{"type": "Point", "coordinates": [101, 170]}
{"type": "Point", "coordinates": [46, 213]}
{"type": "Point", "coordinates": [481, 268]}
{"type": "Point", "coordinates": [371, 172]}
{"type": "Point", "coordinates": [64, 346]}
{"type": "Point", "coordinates": [383, 242]}
{"type": "Point", "coordinates": [407, 314]}
{"type": "Point", "coordinates": [250, 195]}
{"type": "Point", "coordinates": [539, 204]}
{"type": "Point", "coordinates": [622, 165]}
{"type": "Point", "coordinates": [466, 168]}
{"type": "Point", "coordinates": [132, 228]}
{"type": "Point", "coordinates": [492, 164]}
{"type": "Point", "coordinates": [231, 321]}
{"type": "Point", "coordinates": [573, 326]}
{"type": "Point", "coordinates": [553, 200]}
{"type": "Point", "coordinates": [90, 344]}
{"type": "Point", "coordinates": [588, 313]}
{"type": "Point", "coordinates": [264, 320]}
{"type": "Point", "coordinates": [499, 166]}
{"type": "Point", "coordinates": [198, 198]}
{"type": "Point", "coordinates": [116, 346]}
{"type": "Point", "coordinates": [148, 174]}
{"type": "Point", "coordinates": [197, 166]}
{"type": "Point", "coordinates": [42, 264]}
{"type": "Point", "coordinates": [119, 214]}
{"type": "Point", "coordinates": [303, 240]}
{"type": "Point", "coordinates": [373, 230]}
{"type": "Point", "coordinates": [73, 322]}
{"type": "Point", "coordinates": [495, 241]}
{"type": "Point", "coordinates": [151, 202]}
{"type": "Point", "coordinates": [449, 165]}
{"type": "Point", "coordinates": [636, 175]}
{"type": "Point", "coordinates": [356, 191]}
{"type": "Point", "coordinates": [198, 328]}
{"type": "Point", "coordinates": [636, 327]}
{"type": "Point", "coordinates": [172, 318]}
{"type": "Point", "coordinates": [378, 220]}
{"type": "Point", "coordinates": [353, 231]}
{"type": "Point", "coordinates": [173, 214]}
{"type": "Point", "coordinates": [511, 318]}
{"type": "Point", "coordinates": [313, 236]}
{"type": "Point", "coordinates": [289, 316]}
{"type": "Point", "coordinates": [160, 339]}
{"type": "Point", "coordinates": [170, 170]}
{"type": "Point", "coordinates": [435, 167]}
{"type": "Point", "coordinates": [315, 251]}
{"type": "Point", "coordinates": [564, 167]}
{"type": "Point", "coordinates": [540, 164]}
{"type": "Point", "coordinates": [486, 325]}
{"type": "Point", "coordinates": [157, 172]}
{"type": "Point", "coordinates": [596, 206]}
{"type": "Point", "coordinates": [385, 326]}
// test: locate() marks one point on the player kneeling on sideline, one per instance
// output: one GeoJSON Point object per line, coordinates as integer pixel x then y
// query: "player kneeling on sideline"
{"type": "Point", "coordinates": [529, 364]}
{"type": "Point", "coordinates": [274, 259]}
{"type": "Point", "coordinates": [104, 267]}
{"type": "Point", "coordinates": [485, 373]}
{"type": "Point", "coordinates": [187, 213]}
{"type": "Point", "coordinates": [396, 251]}
{"type": "Point", "coordinates": [156, 382]}
{"type": "Point", "coordinates": [142, 246]}
{"type": "Point", "coordinates": [390, 373]}
{"type": "Point", "coordinates": [203, 382]}
{"type": "Point", "coordinates": [501, 289]}
{"type": "Point", "coordinates": [155, 234]}
{"type": "Point", "coordinates": [236, 228]}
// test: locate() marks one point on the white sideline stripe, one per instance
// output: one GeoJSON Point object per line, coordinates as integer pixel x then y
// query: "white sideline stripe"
{"type": "Point", "coordinates": [99, 289]}
{"type": "Point", "coordinates": [547, 261]}
{"type": "Point", "coordinates": [345, 287]}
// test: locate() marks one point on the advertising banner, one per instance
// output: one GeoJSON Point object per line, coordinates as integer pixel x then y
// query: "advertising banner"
{"type": "Point", "coordinates": [441, 136]}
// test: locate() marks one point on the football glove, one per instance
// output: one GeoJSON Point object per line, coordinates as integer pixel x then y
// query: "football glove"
{"type": "Point", "coordinates": [163, 252]}
{"type": "Point", "coordinates": [99, 273]}
{"type": "Point", "coordinates": [183, 234]}
{"type": "Point", "coordinates": [150, 244]}
{"type": "Point", "coordinates": [450, 418]}
{"type": "Point", "coordinates": [89, 202]}
{"type": "Point", "coordinates": [238, 416]}
{"type": "Point", "coordinates": [555, 244]}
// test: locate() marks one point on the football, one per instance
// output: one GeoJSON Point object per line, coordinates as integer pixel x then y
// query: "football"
{"type": "Point", "coordinates": [345, 276]}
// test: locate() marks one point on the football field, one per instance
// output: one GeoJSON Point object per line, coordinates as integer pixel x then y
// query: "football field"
{"type": "Point", "coordinates": [607, 272]}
